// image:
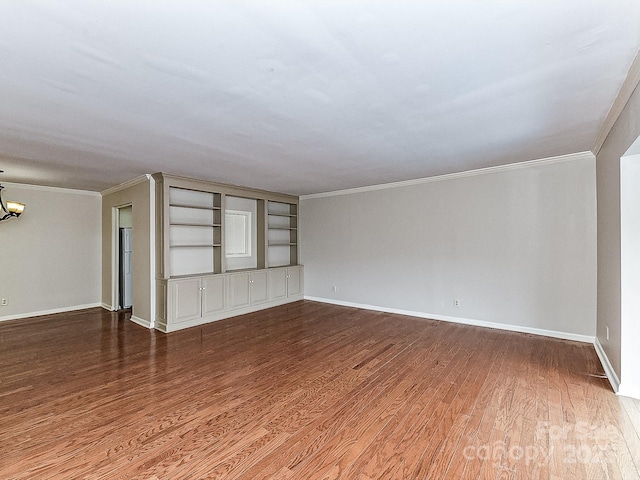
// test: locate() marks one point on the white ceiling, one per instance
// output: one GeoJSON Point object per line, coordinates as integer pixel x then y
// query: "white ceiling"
{"type": "Point", "coordinates": [302, 97]}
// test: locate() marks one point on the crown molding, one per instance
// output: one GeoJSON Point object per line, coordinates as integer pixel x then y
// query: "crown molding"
{"type": "Point", "coordinates": [451, 176]}
{"type": "Point", "coordinates": [128, 184]}
{"type": "Point", "coordinates": [626, 90]}
{"type": "Point", "coordinates": [47, 188]}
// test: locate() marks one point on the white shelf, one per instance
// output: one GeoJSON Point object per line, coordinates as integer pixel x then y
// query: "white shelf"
{"type": "Point", "coordinates": [282, 234]}
{"type": "Point", "coordinates": [180, 205]}
{"type": "Point", "coordinates": [185, 224]}
{"type": "Point", "coordinates": [196, 245]}
{"type": "Point", "coordinates": [195, 231]}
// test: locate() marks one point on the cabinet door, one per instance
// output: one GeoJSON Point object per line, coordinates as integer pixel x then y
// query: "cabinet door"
{"type": "Point", "coordinates": [259, 287]}
{"type": "Point", "coordinates": [239, 290]}
{"type": "Point", "coordinates": [186, 296]}
{"type": "Point", "coordinates": [212, 295]}
{"type": "Point", "coordinates": [294, 281]}
{"type": "Point", "coordinates": [277, 284]}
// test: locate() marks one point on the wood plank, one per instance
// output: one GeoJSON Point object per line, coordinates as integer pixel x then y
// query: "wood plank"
{"type": "Point", "coordinates": [306, 390]}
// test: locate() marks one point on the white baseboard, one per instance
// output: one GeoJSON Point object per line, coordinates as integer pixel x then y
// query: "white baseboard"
{"type": "Point", "coordinates": [606, 365]}
{"type": "Point", "coordinates": [465, 321]}
{"type": "Point", "coordinates": [141, 321]}
{"type": "Point", "coordinates": [49, 312]}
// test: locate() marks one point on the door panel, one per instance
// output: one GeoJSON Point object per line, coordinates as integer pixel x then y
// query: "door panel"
{"type": "Point", "coordinates": [212, 295]}
{"type": "Point", "coordinates": [186, 299]}
{"type": "Point", "coordinates": [239, 290]}
{"type": "Point", "coordinates": [277, 284]}
{"type": "Point", "coordinates": [259, 287]}
{"type": "Point", "coordinates": [294, 281]}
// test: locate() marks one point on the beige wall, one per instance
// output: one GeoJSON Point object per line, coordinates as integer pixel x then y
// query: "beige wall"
{"type": "Point", "coordinates": [50, 258]}
{"type": "Point", "coordinates": [125, 217]}
{"type": "Point", "coordinates": [139, 197]}
{"type": "Point", "coordinates": [517, 247]}
{"type": "Point", "coordinates": [624, 132]}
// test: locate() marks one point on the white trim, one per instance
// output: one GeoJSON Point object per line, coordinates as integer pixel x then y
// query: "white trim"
{"type": "Point", "coordinates": [451, 176]}
{"type": "Point", "coordinates": [628, 392]}
{"type": "Point", "coordinates": [46, 188]}
{"type": "Point", "coordinates": [465, 321]}
{"type": "Point", "coordinates": [107, 307]}
{"type": "Point", "coordinates": [49, 312]}
{"type": "Point", "coordinates": [115, 247]}
{"type": "Point", "coordinates": [152, 250]}
{"type": "Point", "coordinates": [606, 365]}
{"type": "Point", "coordinates": [142, 322]}
{"type": "Point", "coordinates": [125, 185]}
{"type": "Point", "coordinates": [624, 94]}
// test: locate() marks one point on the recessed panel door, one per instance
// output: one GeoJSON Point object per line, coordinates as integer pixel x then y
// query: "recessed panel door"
{"type": "Point", "coordinates": [277, 284]}
{"type": "Point", "coordinates": [259, 293]}
{"type": "Point", "coordinates": [186, 299]}
{"type": "Point", "coordinates": [213, 294]}
{"type": "Point", "coordinates": [239, 290]}
{"type": "Point", "coordinates": [294, 281]}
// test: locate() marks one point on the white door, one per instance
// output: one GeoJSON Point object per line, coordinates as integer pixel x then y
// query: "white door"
{"type": "Point", "coordinates": [239, 295]}
{"type": "Point", "coordinates": [186, 299]}
{"type": "Point", "coordinates": [294, 281]}
{"type": "Point", "coordinates": [277, 284]}
{"type": "Point", "coordinates": [258, 283]}
{"type": "Point", "coordinates": [212, 295]}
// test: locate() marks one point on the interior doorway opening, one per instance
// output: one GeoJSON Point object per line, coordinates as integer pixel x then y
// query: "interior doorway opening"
{"type": "Point", "coordinates": [123, 261]}
{"type": "Point", "coordinates": [630, 271]}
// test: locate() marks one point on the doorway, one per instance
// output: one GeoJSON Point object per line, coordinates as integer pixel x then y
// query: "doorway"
{"type": "Point", "coordinates": [124, 257]}
{"type": "Point", "coordinates": [630, 271]}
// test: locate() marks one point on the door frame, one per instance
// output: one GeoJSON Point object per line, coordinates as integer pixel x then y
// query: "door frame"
{"type": "Point", "coordinates": [115, 254]}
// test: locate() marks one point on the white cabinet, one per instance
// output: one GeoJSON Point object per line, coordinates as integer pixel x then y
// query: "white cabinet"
{"type": "Point", "coordinates": [196, 297]}
{"type": "Point", "coordinates": [213, 295]}
{"type": "Point", "coordinates": [209, 264]}
{"type": "Point", "coordinates": [285, 283]}
{"type": "Point", "coordinates": [295, 282]}
{"type": "Point", "coordinates": [247, 289]}
{"type": "Point", "coordinates": [185, 299]}
{"type": "Point", "coordinates": [197, 300]}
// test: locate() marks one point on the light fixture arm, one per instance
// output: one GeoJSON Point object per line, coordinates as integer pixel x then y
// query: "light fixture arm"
{"type": "Point", "coordinates": [10, 209]}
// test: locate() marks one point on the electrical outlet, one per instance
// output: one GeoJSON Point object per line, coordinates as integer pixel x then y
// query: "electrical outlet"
{"type": "Point", "coordinates": [456, 302]}
{"type": "Point", "coordinates": [607, 328]}
{"type": "Point", "coordinates": [5, 302]}
{"type": "Point", "coordinates": [334, 288]}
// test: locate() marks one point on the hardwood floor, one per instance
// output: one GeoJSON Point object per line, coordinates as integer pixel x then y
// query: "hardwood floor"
{"type": "Point", "coordinates": [305, 391]}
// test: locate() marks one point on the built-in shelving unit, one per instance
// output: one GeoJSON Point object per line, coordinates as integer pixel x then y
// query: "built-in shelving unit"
{"type": "Point", "coordinates": [196, 282]}
{"type": "Point", "coordinates": [195, 232]}
{"type": "Point", "coordinates": [282, 234]}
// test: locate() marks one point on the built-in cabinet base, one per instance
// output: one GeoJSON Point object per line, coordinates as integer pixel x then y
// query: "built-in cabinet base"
{"type": "Point", "coordinates": [196, 300]}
